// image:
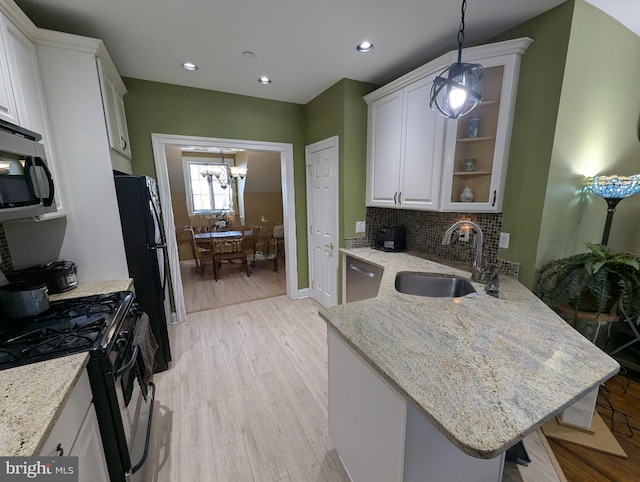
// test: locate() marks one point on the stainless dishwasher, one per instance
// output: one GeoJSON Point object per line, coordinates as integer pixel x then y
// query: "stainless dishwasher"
{"type": "Point", "coordinates": [362, 279]}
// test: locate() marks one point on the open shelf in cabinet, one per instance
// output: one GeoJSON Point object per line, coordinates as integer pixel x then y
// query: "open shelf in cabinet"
{"type": "Point", "coordinates": [480, 146]}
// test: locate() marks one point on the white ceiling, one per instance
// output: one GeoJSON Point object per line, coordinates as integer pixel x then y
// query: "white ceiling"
{"type": "Point", "coordinates": [305, 46]}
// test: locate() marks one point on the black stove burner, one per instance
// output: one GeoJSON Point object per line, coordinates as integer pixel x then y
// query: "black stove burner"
{"type": "Point", "coordinates": [69, 326]}
{"type": "Point", "coordinates": [52, 340]}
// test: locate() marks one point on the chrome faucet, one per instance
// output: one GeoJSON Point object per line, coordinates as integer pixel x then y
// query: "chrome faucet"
{"type": "Point", "coordinates": [476, 273]}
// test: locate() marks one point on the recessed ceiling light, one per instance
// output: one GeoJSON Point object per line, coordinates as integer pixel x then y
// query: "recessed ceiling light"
{"type": "Point", "coordinates": [364, 47]}
{"type": "Point", "coordinates": [264, 80]}
{"type": "Point", "coordinates": [248, 54]}
{"type": "Point", "coordinates": [189, 66]}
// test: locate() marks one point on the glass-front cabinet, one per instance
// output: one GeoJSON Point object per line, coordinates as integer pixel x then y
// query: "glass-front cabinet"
{"type": "Point", "coordinates": [477, 145]}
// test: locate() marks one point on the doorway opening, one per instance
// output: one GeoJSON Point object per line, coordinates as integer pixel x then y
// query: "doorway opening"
{"type": "Point", "coordinates": [162, 142]}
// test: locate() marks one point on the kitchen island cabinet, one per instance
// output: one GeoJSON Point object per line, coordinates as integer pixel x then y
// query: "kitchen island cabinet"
{"type": "Point", "coordinates": [477, 373]}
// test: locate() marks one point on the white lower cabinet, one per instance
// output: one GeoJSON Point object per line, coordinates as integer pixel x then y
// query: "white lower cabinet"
{"type": "Point", "coordinates": [88, 448]}
{"type": "Point", "coordinates": [76, 433]}
{"type": "Point", "coordinates": [380, 437]}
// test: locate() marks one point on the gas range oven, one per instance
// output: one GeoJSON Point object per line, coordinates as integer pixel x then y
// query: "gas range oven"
{"type": "Point", "coordinates": [102, 325]}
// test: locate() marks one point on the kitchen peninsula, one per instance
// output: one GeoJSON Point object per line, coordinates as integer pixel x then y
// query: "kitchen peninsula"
{"type": "Point", "coordinates": [442, 387]}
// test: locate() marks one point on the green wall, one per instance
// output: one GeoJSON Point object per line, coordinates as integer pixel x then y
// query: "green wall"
{"type": "Point", "coordinates": [341, 111]}
{"type": "Point", "coordinates": [576, 115]}
{"type": "Point", "coordinates": [596, 133]}
{"type": "Point", "coordinates": [153, 107]}
{"type": "Point", "coordinates": [539, 88]}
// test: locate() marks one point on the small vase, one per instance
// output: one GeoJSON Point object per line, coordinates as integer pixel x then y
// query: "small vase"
{"type": "Point", "coordinates": [467, 195]}
{"type": "Point", "coordinates": [474, 125]}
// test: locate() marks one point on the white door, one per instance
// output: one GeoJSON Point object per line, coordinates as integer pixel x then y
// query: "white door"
{"type": "Point", "coordinates": [322, 218]}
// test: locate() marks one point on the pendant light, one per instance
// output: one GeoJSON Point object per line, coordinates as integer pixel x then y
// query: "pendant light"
{"type": "Point", "coordinates": [458, 89]}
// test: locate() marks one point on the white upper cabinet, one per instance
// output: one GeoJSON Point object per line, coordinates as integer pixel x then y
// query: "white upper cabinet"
{"type": "Point", "coordinates": [422, 131]}
{"type": "Point", "coordinates": [383, 151]}
{"type": "Point", "coordinates": [113, 91]}
{"type": "Point", "coordinates": [8, 109]}
{"type": "Point", "coordinates": [404, 149]}
{"type": "Point", "coordinates": [31, 110]}
{"type": "Point", "coordinates": [417, 159]}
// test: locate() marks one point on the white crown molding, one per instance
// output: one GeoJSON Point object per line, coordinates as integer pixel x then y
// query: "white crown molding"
{"type": "Point", "coordinates": [18, 17]}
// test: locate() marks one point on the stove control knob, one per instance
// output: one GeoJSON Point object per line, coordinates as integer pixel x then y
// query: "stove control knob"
{"type": "Point", "coordinates": [121, 341]}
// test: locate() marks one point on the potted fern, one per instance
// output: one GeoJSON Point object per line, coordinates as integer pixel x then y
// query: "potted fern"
{"type": "Point", "coordinates": [599, 285]}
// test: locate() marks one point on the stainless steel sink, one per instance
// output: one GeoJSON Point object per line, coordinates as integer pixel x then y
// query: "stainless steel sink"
{"type": "Point", "coordinates": [434, 285]}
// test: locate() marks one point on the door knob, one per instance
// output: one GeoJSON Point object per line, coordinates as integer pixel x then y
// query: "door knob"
{"type": "Point", "coordinates": [330, 246]}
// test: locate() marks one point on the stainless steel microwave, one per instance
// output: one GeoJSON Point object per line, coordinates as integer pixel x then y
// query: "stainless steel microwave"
{"type": "Point", "coordinates": [26, 184]}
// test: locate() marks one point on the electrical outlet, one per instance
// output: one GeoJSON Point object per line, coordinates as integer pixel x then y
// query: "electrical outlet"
{"type": "Point", "coordinates": [361, 227]}
{"type": "Point", "coordinates": [463, 235]}
{"type": "Point", "coordinates": [504, 240]}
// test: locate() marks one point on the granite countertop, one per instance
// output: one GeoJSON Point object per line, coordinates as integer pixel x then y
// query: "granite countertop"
{"type": "Point", "coordinates": [94, 288]}
{"type": "Point", "coordinates": [33, 395]}
{"type": "Point", "coordinates": [485, 371]}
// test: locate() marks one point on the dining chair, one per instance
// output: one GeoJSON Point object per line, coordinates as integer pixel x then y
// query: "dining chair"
{"type": "Point", "coordinates": [202, 252]}
{"type": "Point", "coordinates": [229, 250]}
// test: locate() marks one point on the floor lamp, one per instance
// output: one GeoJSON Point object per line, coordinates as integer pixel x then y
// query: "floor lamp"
{"type": "Point", "coordinates": [613, 189]}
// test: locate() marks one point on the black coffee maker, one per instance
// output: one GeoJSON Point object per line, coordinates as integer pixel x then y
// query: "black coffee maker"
{"type": "Point", "coordinates": [391, 238]}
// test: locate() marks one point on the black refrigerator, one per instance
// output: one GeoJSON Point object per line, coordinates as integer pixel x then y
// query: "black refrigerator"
{"type": "Point", "coordinates": [146, 250]}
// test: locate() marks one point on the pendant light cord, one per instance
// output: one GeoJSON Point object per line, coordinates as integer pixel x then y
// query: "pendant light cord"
{"type": "Point", "coordinates": [461, 31]}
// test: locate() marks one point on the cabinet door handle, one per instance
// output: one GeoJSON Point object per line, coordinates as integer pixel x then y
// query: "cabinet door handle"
{"type": "Point", "coordinates": [400, 199]}
{"type": "Point", "coordinates": [495, 194]}
{"type": "Point", "coordinates": [60, 450]}
{"type": "Point", "coordinates": [124, 143]}
{"type": "Point", "coordinates": [395, 198]}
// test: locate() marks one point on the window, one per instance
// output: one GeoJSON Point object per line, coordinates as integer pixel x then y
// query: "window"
{"type": "Point", "coordinates": [205, 195]}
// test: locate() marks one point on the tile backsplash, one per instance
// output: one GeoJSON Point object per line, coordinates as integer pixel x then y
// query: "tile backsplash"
{"type": "Point", "coordinates": [7, 263]}
{"type": "Point", "coordinates": [426, 228]}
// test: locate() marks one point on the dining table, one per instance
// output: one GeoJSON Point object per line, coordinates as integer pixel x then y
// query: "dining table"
{"type": "Point", "coordinates": [213, 235]}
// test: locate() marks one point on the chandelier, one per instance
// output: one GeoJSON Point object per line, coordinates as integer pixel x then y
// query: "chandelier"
{"type": "Point", "coordinates": [458, 89]}
{"type": "Point", "coordinates": [223, 173]}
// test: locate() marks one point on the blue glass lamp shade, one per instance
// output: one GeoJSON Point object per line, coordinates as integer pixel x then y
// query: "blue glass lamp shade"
{"type": "Point", "coordinates": [613, 189]}
{"type": "Point", "coordinates": [617, 187]}
{"type": "Point", "coordinates": [457, 90]}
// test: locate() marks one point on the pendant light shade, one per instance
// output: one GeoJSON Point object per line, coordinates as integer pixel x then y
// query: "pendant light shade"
{"type": "Point", "coordinates": [459, 88]}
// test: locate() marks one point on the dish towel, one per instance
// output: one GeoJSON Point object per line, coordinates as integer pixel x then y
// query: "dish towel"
{"type": "Point", "coordinates": [147, 345]}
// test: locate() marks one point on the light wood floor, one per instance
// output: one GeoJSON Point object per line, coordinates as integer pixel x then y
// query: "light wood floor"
{"type": "Point", "coordinates": [246, 399]}
{"type": "Point", "coordinates": [202, 292]}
